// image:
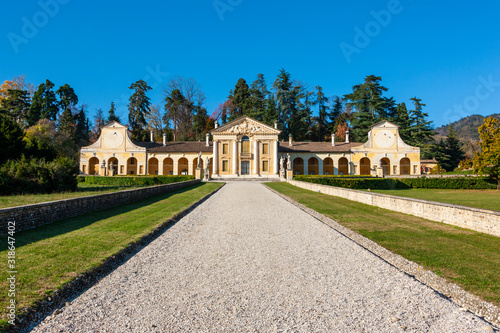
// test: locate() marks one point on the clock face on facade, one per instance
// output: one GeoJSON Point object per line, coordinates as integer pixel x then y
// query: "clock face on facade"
{"type": "Point", "coordinates": [385, 139]}
{"type": "Point", "coordinates": [113, 139]}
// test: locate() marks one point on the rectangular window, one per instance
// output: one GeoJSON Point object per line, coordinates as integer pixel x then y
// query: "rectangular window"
{"type": "Point", "coordinates": [140, 170]}
{"type": "Point", "coordinates": [327, 173]}
{"type": "Point", "coordinates": [225, 148]}
{"type": "Point", "coordinates": [121, 169]}
{"type": "Point", "coordinates": [225, 166]}
{"type": "Point", "coordinates": [394, 169]}
{"type": "Point", "coordinates": [83, 169]}
{"type": "Point", "coordinates": [132, 161]}
{"type": "Point", "coordinates": [171, 173]}
{"type": "Point", "coordinates": [311, 173]}
{"type": "Point", "coordinates": [265, 148]}
{"type": "Point", "coordinates": [414, 169]}
{"type": "Point", "coordinates": [265, 166]}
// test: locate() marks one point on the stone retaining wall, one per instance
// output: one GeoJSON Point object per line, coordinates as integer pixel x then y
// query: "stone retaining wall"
{"type": "Point", "coordinates": [31, 216]}
{"type": "Point", "coordinates": [482, 220]}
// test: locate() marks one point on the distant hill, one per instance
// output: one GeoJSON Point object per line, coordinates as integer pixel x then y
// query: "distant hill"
{"type": "Point", "coordinates": [466, 128]}
{"type": "Point", "coordinates": [467, 133]}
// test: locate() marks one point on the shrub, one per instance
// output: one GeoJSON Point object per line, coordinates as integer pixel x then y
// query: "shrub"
{"type": "Point", "coordinates": [449, 183]}
{"type": "Point", "coordinates": [133, 180]}
{"type": "Point", "coordinates": [38, 176]}
{"type": "Point", "coordinates": [355, 182]}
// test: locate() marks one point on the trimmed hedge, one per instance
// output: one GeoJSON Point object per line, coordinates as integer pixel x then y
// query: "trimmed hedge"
{"type": "Point", "coordinates": [354, 183]}
{"type": "Point", "coordinates": [133, 180]}
{"type": "Point", "coordinates": [478, 183]}
{"type": "Point", "coordinates": [401, 183]}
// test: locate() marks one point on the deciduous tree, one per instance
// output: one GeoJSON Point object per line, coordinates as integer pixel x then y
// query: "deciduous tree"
{"type": "Point", "coordinates": [488, 160]}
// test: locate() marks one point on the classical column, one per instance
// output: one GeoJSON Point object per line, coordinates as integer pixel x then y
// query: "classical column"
{"type": "Point", "coordinates": [176, 166]}
{"type": "Point", "coordinates": [275, 164]}
{"type": "Point", "coordinates": [306, 166]}
{"type": "Point", "coordinates": [215, 160]}
{"type": "Point", "coordinates": [320, 166]}
{"type": "Point", "coordinates": [190, 167]}
{"type": "Point", "coordinates": [336, 167]}
{"type": "Point", "coordinates": [256, 157]}
{"type": "Point", "coordinates": [235, 157]}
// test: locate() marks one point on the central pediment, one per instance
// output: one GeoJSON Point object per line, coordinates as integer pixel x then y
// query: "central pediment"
{"type": "Point", "coordinates": [245, 126]}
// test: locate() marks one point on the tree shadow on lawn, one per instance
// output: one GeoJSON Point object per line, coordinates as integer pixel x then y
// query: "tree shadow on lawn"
{"type": "Point", "coordinates": [61, 227]}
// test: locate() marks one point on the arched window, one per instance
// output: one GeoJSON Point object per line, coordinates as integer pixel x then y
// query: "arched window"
{"type": "Point", "coordinates": [132, 166]}
{"type": "Point", "coordinates": [94, 166]}
{"type": "Point", "coordinates": [298, 166]}
{"type": "Point", "coordinates": [386, 166]}
{"type": "Point", "coordinates": [343, 166]}
{"type": "Point", "coordinates": [404, 166]}
{"type": "Point", "coordinates": [153, 166]}
{"type": "Point", "coordinates": [328, 166]}
{"type": "Point", "coordinates": [245, 145]}
{"type": "Point", "coordinates": [168, 166]}
{"type": "Point", "coordinates": [364, 166]}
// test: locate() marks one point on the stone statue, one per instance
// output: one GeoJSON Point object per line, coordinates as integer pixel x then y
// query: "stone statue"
{"type": "Point", "coordinates": [282, 167]}
{"type": "Point", "coordinates": [289, 162]}
{"type": "Point", "coordinates": [199, 160]}
{"type": "Point", "coordinates": [206, 175]}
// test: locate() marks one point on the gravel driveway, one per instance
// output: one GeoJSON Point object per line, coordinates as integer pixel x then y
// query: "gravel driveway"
{"type": "Point", "coordinates": [248, 261]}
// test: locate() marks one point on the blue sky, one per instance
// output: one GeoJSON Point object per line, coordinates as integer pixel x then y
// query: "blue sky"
{"type": "Point", "coordinates": [447, 53]}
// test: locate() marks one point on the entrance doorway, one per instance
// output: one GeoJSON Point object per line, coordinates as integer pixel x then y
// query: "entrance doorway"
{"type": "Point", "coordinates": [245, 167]}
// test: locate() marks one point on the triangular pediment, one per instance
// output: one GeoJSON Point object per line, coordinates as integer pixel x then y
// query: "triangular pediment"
{"type": "Point", "coordinates": [114, 124]}
{"type": "Point", "coordinates": [384, 123]}
{"type": "Point", "coordinates": [245, 126]}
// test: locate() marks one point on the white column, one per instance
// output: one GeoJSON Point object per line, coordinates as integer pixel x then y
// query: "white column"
{"type": "Point", "coordinates": [190, 167]}
{"type": "Point", "coordinates": [275, 164]}
{"type": "Point", "coordinates": [320, 166]}
{"type": "Point", "coordinates": [336, 167]}
{"type": "Point", "coordinates": [306, 165]}
{"type": "Point", "coordinates": [256, 157]}
{"type": "Point", "coordinates": [235, 157]}
{"type": "Point", "coordinates": [215, 160]}
{"type": "Point", "coordinates": [176, 166]}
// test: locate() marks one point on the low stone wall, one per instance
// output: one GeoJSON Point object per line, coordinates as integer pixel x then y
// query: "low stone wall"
{"type": "Point", "coordinates": [31, 216]}
{"type": "Point", "coordinates": [482, 220]}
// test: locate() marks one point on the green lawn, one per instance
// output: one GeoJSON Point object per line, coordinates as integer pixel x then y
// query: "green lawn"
{"type": "Point", "coordinates": [83, 190]}
{"type": "Point", "coordinates": [49, 256]}
{"type": "Point", "coordinates": [465, 257]}
{"type": "Point", "coordinates": [485, 199]}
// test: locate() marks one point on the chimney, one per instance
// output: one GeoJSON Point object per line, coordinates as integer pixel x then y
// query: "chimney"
{"type": "Point", "coordinates": [346, 136]}
{"type": "Point", "coordinates": [208, 140]}
{"type": "Point", "coordinates": [276, 124]}
{"type": "Point", "coordinates": [216, 124]}
{"type": "Point", "coordinates": [333, 139]}
{"type": "Point", "coordinates": [152, 136]}
{"type": "Point", "coordinates": [164, 139]}
{"type": "Point", "coordinates": [290, 140]}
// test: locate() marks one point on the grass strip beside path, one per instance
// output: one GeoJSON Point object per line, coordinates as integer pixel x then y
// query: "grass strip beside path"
{"type": "Point", "coordinates": [484, 199]}
{"type": "Point", "coordinates": [468, 258]}
{"type": "Point", "coordinates": [52, 255]}
{"type": "Point", "coordinates": [82, 191]}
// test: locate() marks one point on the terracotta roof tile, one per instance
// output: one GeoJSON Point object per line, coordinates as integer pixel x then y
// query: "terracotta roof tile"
{"type": "Point", "coordinates": [317, 147]}
{"type": "Point", "coordinates": [177, 147]}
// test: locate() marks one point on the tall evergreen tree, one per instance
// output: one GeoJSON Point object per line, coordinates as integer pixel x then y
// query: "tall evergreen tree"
{"type": "Point", "coordinates": [67, 123]}
{"type": "Point", "coordinates": [82, 132]}
{"type": "Point", "coordinates": [286, 102]}
{"type": "Point", "coordinates": [402, 119]}
{"type": "Point", "coordinates": [241, 99]}
{"type": "Point", "coordinates": [421, 129]}
{"type": "Point", "coordinates": [323, 125]}
{"type": "Point", "coordinates": [67, 97]}
{"type": "Point", "coordinates": [112, 115]}
{"type": "Point", "coordinates": [138, 108]}
{"type": "Point", "coordinates": [44, 104]}
{"type": "Point", "coordinates": [453, 149]}
{"type": "Point", "coordinates": [16, 105]}
{"type": "Point", "coordinates": [369, 106]}
{"type": "Point", "coordinates": [11, 137]}
{"type": "Point", "coordinates": [259, 95]}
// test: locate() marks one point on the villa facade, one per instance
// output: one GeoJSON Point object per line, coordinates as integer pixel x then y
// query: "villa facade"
{"type": "Point", "coordinates": [247, 148]}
